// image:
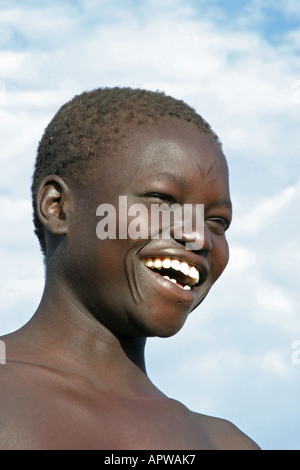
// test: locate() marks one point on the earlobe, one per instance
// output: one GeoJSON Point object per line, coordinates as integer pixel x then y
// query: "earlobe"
{"type": "Point", "coordinates": [52, 204]}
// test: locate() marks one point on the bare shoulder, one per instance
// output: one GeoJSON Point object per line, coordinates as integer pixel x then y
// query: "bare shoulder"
{"type": "Point", "coordinates": [224, 435]}
{"type": "Point", "coordinates": [22, 388]}
{"type": "Point", "coordinates": [11, 398]}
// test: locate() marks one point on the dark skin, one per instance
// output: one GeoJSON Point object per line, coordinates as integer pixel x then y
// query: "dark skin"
{"type": "Point", "coordinates": [75, 375]}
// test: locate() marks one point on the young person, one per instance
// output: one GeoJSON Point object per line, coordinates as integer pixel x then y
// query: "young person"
{"type": "Point", "coordinates": [75, 375]}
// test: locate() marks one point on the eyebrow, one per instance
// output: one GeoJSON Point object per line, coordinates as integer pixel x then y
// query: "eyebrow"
{"type": "Point", "coordinates": [171, 177]}
{"type": "Point", "coordinates": [165, 175]}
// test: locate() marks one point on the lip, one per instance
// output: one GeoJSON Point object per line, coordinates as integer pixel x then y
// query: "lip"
{"type": "Point", "coordinates": [191, 258]}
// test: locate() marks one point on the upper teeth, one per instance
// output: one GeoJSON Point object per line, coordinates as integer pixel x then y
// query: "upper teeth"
{"type": "Point", "coordinates": [177, 265]}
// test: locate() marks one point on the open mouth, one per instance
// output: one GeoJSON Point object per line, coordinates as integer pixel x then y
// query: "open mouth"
{"type": "Point", "coordinates": [178, 272]}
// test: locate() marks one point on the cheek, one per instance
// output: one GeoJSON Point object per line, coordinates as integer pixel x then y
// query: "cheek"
{"type": "Point", "coordinates": [220, 257]}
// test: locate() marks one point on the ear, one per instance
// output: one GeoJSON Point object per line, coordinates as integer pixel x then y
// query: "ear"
{"type": "Point", "coordinates": [53, 202]}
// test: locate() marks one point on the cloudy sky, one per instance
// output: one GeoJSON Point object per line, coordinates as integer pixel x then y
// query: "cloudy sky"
{"type": "Point", "coordinates": [238, 63]}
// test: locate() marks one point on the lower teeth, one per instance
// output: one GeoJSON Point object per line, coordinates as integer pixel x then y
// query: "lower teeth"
{"type": "Point", "coordinates": [175, 282]}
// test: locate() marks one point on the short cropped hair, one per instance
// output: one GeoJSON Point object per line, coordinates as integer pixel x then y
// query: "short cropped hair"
{"type": "Point", "coordinates": [92, 125]}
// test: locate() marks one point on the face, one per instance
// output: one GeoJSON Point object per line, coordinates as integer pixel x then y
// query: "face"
{"type": "Point", "coordinates": [148, 286]}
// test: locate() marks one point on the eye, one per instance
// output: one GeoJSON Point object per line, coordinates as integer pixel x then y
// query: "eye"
{"type": "Point", "coordinates": [161, 197]}
{"type": "Point", "coordinates": [218, 224]}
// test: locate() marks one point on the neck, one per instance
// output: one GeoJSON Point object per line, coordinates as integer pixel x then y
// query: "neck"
{"type": "Point", "coordinates": [63, 333]}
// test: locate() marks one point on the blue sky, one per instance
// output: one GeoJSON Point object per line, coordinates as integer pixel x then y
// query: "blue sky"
{"type": "Point", "coordinates": [238, 64]}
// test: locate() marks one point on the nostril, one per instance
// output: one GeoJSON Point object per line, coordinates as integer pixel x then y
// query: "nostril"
{"type": "Point", "coordinates": [189, 246]}
{"type": "Point", "coordinates": [203, 253]}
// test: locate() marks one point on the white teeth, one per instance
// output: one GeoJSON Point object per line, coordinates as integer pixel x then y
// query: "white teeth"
{"type": "Point", "coordinates": [194, 273]}
{"type": "Point", "coordinates": [157, 263]}
{"type": "Point", "coordinates": [175, 264]}
{"type": "Point", "coordinates": [166, 263]}
{"type": "Point", "coordinates": [175, 282]}
{"type": "Point", "coordinates": [182, 266]}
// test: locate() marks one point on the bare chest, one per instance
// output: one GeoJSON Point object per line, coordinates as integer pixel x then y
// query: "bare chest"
{"type": "Point", "coordinates": [69, 420]}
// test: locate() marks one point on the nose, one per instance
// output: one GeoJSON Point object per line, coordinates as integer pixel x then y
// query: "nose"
{"type": "Point", "coordinates": [192, 231]}
{"type": "Point", "coordinates": [198, 241]}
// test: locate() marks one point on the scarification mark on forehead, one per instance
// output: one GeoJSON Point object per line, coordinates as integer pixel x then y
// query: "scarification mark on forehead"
{"type": "Point", "coordinates": [207, 174]}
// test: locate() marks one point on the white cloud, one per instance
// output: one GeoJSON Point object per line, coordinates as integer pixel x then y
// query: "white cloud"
{"type": "Point", "coordinates": [241, 260]}
{"type": "Point", "coordinates": [12, 62]}
{"type": "Point", "coordinates": [14, 210]}
{"type": "Point", "coordinates": [271, 298]}
{"type": "Point", "coordinates": [239, 82]}
{"type": "Point", "coordinates": [269, 211]}
{"type": "Point", "coordinates": [274, 362]}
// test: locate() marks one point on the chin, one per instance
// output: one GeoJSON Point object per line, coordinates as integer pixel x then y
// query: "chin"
{"type": "Point", "coordinates": [164, 325]}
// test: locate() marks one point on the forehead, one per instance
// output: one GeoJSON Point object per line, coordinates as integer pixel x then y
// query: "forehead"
{"type": "Point", "coordinates": [170, 149]}
{"type": "Point", "coordinates": [171, 155]}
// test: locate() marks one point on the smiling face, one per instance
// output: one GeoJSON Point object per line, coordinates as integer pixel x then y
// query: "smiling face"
{"type": "Point", "coordinates": [147, 287]}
